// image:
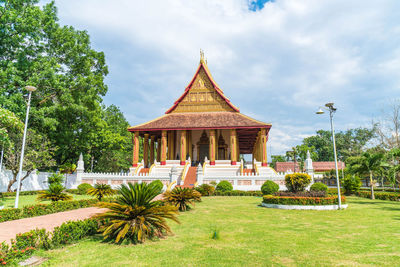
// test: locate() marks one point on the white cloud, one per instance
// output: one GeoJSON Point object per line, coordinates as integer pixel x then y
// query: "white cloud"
{"type": "Point", "coordinates": [277, 64]}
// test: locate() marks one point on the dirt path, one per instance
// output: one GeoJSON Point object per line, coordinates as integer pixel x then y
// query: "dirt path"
{"type": "Point", "coordinates": [10, 229]}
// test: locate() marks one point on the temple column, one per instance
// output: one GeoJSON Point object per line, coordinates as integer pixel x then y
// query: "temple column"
{"type": "Point", "coordinates": [233, 147]}
{"type": "Point", "coordinates": [163, 149]}
{"type": "Point", "coordinates": [146, 150]}
{"type": "Point", "coordinates": [152, 149]}
{"type": "Point", "coordinates": [136, 145]}
{"type": "Point", "coordinates": [263, 148]}
{"type": "Point", "coordinates": [158, 149]}
{"type": "Point", "coordinates": [212, 147]}
{"type": "Point", "coordinates": [170, 145]}
{"type": "Point", "coordinates": [183, 147]}
{"type": "Point", "coordinates": [189, 144]}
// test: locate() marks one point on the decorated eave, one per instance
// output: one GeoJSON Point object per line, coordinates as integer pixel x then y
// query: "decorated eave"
{"type": "Point", "coordinates": [215, 112]}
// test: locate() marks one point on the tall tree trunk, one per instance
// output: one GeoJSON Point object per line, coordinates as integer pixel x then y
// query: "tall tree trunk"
{"type": "Point", "coordinates": [14, 180]}
{"type": "Point", "coordinates": [372, 185]}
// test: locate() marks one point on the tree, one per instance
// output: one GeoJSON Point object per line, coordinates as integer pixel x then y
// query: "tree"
{"type": "Point", "coordinates": [367, 164]}
{"type": "Point", "coordinates": [38, 154]}
{"type": "Point", "coordinates": [277, 158]}
{"type": "Point", "coordinates": [348, 143]}
{"type": "Point", "coordinates": [388, 128]}
{"type": "Point", "coordinates": [69, 75]}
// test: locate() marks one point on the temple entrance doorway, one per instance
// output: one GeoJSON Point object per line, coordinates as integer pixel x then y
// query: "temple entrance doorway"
{"type": "Point", "coordinates": [203, 147]}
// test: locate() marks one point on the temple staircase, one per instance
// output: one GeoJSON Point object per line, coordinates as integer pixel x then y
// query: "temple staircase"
{"type": "Point", "coordinates": [191, 178]}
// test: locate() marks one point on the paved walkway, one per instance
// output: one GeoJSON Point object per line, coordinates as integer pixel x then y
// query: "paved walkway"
{"type": "Point", "coordinates": [10, 229]}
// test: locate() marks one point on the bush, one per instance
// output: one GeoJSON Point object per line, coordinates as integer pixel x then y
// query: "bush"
{"type": "Point", "coordinates": [301, 194]}
{"type": "Point", "coordinates": [269, 188]}
{"type": "Point", "coordinates": [24, 244]}
{"type": "Point", "coordinates": [101, 190]}
{"type": "Point", "coordinates": [351, 184]}
{"type": "Point", "coordinates": [297, 182]}
{"type": "Point", "coordinates": [380, 195]}
{"type": "Point", "coordinates": [224, 186]}
{"type": "Point", "coordinates": [134, 216]}
{"type": "Point", "coordinates": [22, 193]}
{"type": "Point", "coordinates": [205, 189]}
{"type": "Point", "coordinates": [312, 201]}
{"type": "Point", "coordinates": [319, 187]}
{"type": "Point", "coordinates": [182, 198]}
{"type": "Point", "coordinates": [158, 184]}
{"type": "Point", "coordinates": [83, 188]}
{"type": "Point", "coordinates": [55, 178]}
{"type": "Point", "coordinates": [238, 193]}
{"type": "Point", "coordinates": [54, 193]}
{"type": "Point", "coordinates": [43, 209]}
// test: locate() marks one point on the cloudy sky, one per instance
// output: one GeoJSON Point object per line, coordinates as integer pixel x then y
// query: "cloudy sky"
{"type": "Point", "coordinates": [277, 60]}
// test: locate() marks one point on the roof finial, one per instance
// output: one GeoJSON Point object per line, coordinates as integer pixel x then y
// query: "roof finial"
{"type": "Point", "coordinates": [201, 55]}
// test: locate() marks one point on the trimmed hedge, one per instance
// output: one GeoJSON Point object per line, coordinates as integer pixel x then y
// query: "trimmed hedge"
{"type": "Point", "coordinates": [24, 244]}
{"type": "Point", "coordinates": [312, 201]}
{"type": "Point", "coordinates": [238, 193]}
{"type": "Point", "coordinates": [224, 186]}
{"type": "Point", "coordinates": [319, 187]}
{"type": "Point", "coordinates": [43, 209]}
{"type": "Point", "coordinates": [22, 193]}
{"type": "Point", "coordinates": [269, 187]}
{"type": "Point", "coordinates": [380, 195]}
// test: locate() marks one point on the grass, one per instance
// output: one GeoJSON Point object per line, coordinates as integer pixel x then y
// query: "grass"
{"type": "Point", "coordinates": [367, 233]}
{"type": "Point", "coordinates": [31, 200]}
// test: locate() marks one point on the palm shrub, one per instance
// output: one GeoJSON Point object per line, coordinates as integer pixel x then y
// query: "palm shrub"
{"type": "Point", "coordinates": [134, 216]}
{"type": "Point", "coordinates": [100, 191]}
{"type": "Point", "coordinates": [351, 184]}
{"type": "Point", "coordinates": [83, 188]}
{"type": "Point", "coordinates": [319, 187]}
{"type": "Point", "coordinates": [297, 182]}
{"type": "Point", "coordinates": [224, 186]}
{"type": "Point", "coordinates": [158, 184]}
{"type": "Point", "coordinates": [182, 197]}
{"type": "Point", "coordinates": [54, 193]}
{"type": "Point", "coordinates": [55, 178]}
{"type": "Point", "coordinates": [269, 188]}
{"type": "Point", "coordinates": [367, 164]}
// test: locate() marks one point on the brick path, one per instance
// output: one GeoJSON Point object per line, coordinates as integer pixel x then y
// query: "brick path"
{"type": "Point", "coordinates": [10, 229]}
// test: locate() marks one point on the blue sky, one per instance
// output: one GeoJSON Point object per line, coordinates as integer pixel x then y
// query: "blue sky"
{"type": "Point", "coordinates": [278, 61]}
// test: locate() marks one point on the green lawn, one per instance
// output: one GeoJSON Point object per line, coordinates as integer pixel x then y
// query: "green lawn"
{"type": "Point", "coordinates": [367, 233]}
{"type": "Point", "coordinates": [31, 200]}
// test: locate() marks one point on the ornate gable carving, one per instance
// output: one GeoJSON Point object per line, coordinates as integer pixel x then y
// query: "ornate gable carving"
{"type": "Point", "coordinates": [202, 97]}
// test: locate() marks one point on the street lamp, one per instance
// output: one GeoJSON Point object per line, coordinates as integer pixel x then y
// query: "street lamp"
{"type": "Point", "coordinates": [21, 160]}
{"type": "Point", "coordinates": [332, 109]}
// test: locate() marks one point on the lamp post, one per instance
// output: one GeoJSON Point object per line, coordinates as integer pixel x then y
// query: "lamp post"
{"type": "Point", "coordinates": [332, 109]}
{"type": "Point", "coordinates": [21, 160]}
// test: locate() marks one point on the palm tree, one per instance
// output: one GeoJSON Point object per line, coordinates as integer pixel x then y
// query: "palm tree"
{"type": "Point", "coordinates": [134, 216]}
{"type": "Point", "coordinates": [100, 191]}
{"type": "Point", "coordinates": [54, 193]}
{"type": "Point", "coordinates": [367, 164]}
{"type": "Point", "coordinates": [182, 197]}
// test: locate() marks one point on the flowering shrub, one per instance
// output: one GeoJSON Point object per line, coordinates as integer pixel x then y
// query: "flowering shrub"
{"type": "Point", "coordinates": [312, 201]}
{"type": "Point", "coordinates": [43, 209]}
{"type": "Point", "coordinates": [297, 182]}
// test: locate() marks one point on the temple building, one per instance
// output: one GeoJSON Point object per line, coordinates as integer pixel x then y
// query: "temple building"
{"type": "Point", "coordinates": [203, 126]}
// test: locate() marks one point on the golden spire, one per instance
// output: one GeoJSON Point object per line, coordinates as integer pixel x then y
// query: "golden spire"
{"type": "Point", "coordinates": [201, 56]}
